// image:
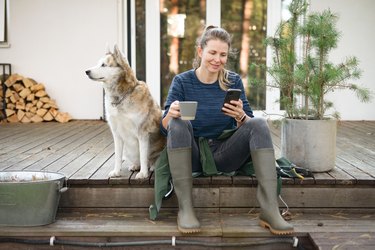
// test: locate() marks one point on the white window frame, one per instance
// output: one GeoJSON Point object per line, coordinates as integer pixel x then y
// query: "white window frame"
{"type": "Point", "coordinates": [272, 94]}
{"type": "Point", "coordinates": [4, 24]}
{"type": "Point", "coordinates": [153, 48]}
{"type": "Point", "coordinates": [213, 12]}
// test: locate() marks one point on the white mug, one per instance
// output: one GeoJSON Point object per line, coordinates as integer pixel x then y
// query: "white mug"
{"type": "Point", "coordinates": [188, 110]}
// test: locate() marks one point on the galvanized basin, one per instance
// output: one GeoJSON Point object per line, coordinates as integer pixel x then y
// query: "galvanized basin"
{"type": "Point", "coordinates": [29, 198]}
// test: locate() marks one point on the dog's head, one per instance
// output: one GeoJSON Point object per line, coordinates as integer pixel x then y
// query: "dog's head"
{"type": "Point", "coordinates": [110, 67]}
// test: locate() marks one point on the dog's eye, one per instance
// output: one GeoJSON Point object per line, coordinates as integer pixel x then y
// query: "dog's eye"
{"type": "Point", "coordinates": [103, 65]}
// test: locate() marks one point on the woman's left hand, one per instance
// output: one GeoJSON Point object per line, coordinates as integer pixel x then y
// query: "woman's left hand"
{"type": "Point", "coordinates": [234, 109]}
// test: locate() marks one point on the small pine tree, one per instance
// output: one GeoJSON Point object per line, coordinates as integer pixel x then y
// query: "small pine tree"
{"type": "Point", "coordinates": [321, 76]}
{"type": "Point", "coordinates": [313, 76]}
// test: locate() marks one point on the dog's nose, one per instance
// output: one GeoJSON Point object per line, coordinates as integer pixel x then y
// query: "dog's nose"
{"type": "Point", "coordinates": [87, 72]}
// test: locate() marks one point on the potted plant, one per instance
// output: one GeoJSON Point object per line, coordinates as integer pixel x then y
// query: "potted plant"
{"type": "Point", "coordinates": [308, 135]}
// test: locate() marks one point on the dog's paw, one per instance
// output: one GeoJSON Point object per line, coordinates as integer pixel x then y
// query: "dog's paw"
{"type": "Point", "coordinates": [114, 173]}
{"type": "Point", "coordinates": [142, 175]}
{"type": "Point", "coordinates": [133, 168]}
{"type": "Point", "coordinates": [152, 168]}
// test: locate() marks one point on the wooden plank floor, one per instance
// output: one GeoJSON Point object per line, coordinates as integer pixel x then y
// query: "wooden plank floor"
{"type": "Point", "coordinates": [83, 152]}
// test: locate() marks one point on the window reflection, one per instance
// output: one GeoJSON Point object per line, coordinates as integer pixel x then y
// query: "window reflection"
{"type": "Point", "coordinates": [140, 12]}
{"type": "Point", "coordinates": [246, 20]}
{"type": "Point", "coordinates": [180, 21]}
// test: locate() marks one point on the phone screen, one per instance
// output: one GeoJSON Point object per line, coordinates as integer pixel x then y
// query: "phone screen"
{"type": "Point", "coordinates": [232, 94]}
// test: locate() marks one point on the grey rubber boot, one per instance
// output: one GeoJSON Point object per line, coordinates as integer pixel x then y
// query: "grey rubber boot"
{"type": "Point", "coordinates": [180, 166]}
{"type": "Point", "coordinates": [265, 171]}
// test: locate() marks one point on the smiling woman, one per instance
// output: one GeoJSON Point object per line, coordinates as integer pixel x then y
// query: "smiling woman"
{"type": "Point", "coordinates": [192, 144]}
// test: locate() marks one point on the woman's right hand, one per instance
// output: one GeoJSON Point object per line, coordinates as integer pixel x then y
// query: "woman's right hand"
{"type": "Point", "coordinates": [173, 112]}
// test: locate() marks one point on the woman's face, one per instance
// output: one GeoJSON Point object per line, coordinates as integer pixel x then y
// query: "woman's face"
{"type": "Point", "coordinates": [214, 56]}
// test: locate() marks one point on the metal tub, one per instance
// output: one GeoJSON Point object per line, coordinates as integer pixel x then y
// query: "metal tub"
{"type": "Point", "coordinates": [29, 198]}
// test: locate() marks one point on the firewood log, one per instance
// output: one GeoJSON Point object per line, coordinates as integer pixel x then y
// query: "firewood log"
{"type": "Point", "coordinates": [29, 115]}
{"type": "Point", "coordinates": [39, 104]}
{"type": "Point", "coordinates": [11, 106]}
{"type": "Point", "coordinates": [54, 112]}
{"type": "Point", "coordinates": [14, 97]}
{"type": "Point", "coordinates": [20, 105]}
{"type": "Point", "coordinates": [9, 112]}
{"type": "Point", "coordinates": [37, 87]}
{"type": "Point", "coordinates": [30, 97]}
{"type": "Point", "coordinates": [28, 82]}
{"type": "Point", "coordinates": [41, 112]}
{"type": "Point", "coordinates": [48, 116]}
{"type": "Point", "coordinates": [12, 79]}
{"type": "Point", "coordinates": [25, 119]}
{"type": "Point", "coordinates": [63, 117]}
{"type": "Point", "coordinates": [41, 93]}
{"type": "Point", "coordinates": [24, 93]}
{"type": "Point", "coordinates": [18, 87]}
{"type": "Point", "coordinates": [36, 118]}
{"type": "Point", "coordinates": [20, 114]}
{"type": "Point", "coordinates": [44, 99]}
{"type": "Point", "coordinates": [13, 118]}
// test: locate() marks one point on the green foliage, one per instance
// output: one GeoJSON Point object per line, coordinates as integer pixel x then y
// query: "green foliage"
{"type": "Point", "coordinates": [313, 76]}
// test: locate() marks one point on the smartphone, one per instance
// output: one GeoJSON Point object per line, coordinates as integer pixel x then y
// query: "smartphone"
{"type": "Point", "coordinates": [232, 94]}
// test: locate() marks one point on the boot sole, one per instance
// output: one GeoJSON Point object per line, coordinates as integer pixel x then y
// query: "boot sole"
{"type": "Point", "coordinates": [188, 230]}
{"type": "Point", "coordinates": [274, 231]}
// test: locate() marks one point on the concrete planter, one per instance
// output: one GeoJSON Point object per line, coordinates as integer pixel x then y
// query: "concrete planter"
{"type": "Point", "coordinates": [310, 144]}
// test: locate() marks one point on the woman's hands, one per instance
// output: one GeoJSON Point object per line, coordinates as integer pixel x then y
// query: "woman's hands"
{"type": "Point", "coordinates": [235, 109]}
{"type": "Point", "coordinates": [173, 112]}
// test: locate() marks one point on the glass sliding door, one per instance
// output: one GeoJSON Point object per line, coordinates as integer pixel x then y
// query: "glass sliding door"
{"type": "Point", "coordinates": [166, 31]}
{"type": "Point", "coordinates": [182, 21]}
{"type": "Point", "coordinates": [180, 24]}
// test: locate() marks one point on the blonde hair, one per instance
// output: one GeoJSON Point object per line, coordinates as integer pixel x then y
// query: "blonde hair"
{"type": "Point", "coordinates": [214, 33]}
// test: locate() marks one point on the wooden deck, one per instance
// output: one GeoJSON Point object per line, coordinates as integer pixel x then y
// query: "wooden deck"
{"type": "Point", "coordinates": [334, 209]}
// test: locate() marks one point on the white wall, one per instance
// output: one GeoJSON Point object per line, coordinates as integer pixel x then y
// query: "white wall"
{"type": "Point", "coordinates": [54, 41]}
{"type": "Point", "coordinates": [356, 22]}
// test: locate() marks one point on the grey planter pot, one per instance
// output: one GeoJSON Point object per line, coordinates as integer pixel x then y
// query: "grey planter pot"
{"type": "Point", "coordinates": [310, 144]}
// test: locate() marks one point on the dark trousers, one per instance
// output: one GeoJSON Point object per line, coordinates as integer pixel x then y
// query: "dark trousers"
{"type": "Point", "coordinates": [229, 154]}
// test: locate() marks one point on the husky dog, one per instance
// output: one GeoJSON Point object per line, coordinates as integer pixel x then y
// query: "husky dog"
{"type": "Point", "coordinates": [133, 115]}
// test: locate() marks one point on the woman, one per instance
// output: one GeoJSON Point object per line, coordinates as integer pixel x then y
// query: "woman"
{"type": "Point", "coordinates": [207, 84]}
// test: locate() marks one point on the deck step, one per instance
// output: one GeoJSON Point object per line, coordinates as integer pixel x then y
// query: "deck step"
{"type": "Point", "coordinates": [218, 227]}
{"type": "Point", "coordinates": [220, 196]}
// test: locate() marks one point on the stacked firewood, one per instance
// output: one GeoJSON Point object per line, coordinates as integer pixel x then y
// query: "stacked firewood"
{"type": "Point", "coordinates": [27, 101]}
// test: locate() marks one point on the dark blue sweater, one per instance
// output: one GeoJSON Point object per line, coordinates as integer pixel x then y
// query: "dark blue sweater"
{"type": "Point", "coordinates": [209, 121]}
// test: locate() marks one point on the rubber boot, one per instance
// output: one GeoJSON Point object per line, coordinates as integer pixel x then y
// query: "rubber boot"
{"type": "Point", "coordinates": [180, 166]}
{"type": "Point", "coordinates": [265, 171]}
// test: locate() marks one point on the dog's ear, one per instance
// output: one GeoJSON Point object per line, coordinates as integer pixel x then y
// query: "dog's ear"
{"type": "Point", "coordinates": [107, 49]}
{"type": "Point", "coordinates": [120, 58]}
{"type": "Point", "coordinates": [117, 51]}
